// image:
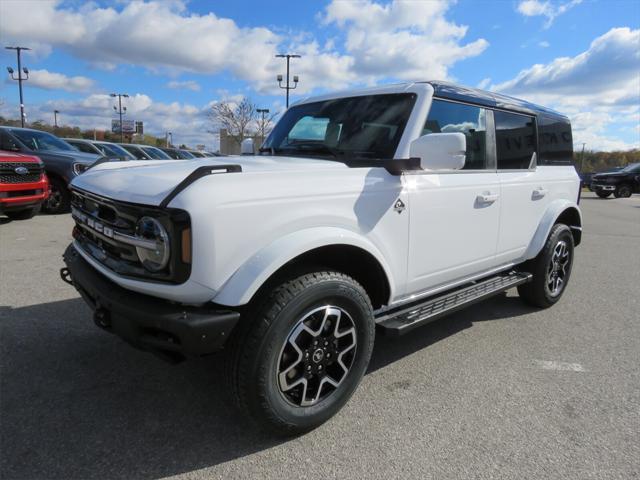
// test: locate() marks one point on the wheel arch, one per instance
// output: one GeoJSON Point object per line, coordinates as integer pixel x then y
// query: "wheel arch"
{"type": "Point", "coordinates": [336, 249]}
{"type": "Point", "coordinates": [559, 211]}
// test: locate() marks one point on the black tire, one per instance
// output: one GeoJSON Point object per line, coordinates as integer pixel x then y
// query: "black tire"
{"type": "Point", "coordinates": [25, 214]}
{"type": "Point", "coordinates": [541, 292]}
{"type": "Point", "coordinates": [603, 193]}
{"type": "Point", "coordinates": [59, 199]}
{"type": "Point", "coordinates": [623, 191]}
{"type": "Point", "coordinates": [260, 352]}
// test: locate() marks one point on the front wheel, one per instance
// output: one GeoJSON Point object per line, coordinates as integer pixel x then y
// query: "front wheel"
{"type": "Point", "coordinates": [59, 199]}
{"type": "Point", "coordinates": [303, 352]}
{"type": "Point", "coordinates": [551, 269]}
{"type": "Point", "coordinates": [623, 191]}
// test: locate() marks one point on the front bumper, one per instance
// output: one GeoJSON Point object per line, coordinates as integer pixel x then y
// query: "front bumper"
{"type": "Point", "coordinates": [602, 186]}
{"type": "Point", "coordinates": [172, 330]}
{"type": "Point", "coordinates": [18, 196]}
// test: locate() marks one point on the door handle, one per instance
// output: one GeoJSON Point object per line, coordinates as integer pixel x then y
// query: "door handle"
{"type": "Point", "coordinates": [487, 197]}
{"type": "Point", "coordinates": [539, 192]}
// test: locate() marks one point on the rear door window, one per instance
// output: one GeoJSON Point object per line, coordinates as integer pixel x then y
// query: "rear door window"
{"type": "Point", "coordinates": [515, 140]}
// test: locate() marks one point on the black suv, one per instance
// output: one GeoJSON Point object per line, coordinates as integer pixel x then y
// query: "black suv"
{"type": "Point", "coordinates": [622, 183]}
{"type": "Point", "coordinates": [62, 162]}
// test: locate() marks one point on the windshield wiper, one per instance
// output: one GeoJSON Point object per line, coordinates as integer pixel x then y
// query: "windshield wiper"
{"type": "Point", "coordinates": [319, 148]}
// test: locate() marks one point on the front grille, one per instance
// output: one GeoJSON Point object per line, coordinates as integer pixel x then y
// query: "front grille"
{"type": "Point", "coordinates": [8, 172]}
{"type": "Point", "coordinates": [122, 218]}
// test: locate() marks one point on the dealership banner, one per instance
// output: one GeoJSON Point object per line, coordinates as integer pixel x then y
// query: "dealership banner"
{"type": "Point", "coordinates": [128, 126]}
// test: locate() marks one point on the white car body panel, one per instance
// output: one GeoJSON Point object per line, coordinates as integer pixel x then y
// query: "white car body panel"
{"type": "Point", "coordinates": [247, 225]}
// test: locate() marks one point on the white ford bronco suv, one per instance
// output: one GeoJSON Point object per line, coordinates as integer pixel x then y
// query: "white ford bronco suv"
{"type": "Point", "coordinates": [379, 209]}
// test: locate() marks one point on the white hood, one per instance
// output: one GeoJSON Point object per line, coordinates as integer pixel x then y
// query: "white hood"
{"type": "Point", "coordinates": [150, 181]}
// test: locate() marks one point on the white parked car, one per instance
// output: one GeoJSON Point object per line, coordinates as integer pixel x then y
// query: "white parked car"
{"type": "Point", "coordinates": [385, 207]}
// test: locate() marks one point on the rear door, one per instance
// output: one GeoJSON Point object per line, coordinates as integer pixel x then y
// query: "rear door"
{"type": "Point", "coordinates": [526, 188]}
{"type": "Point", "coordinates": [454, 214]}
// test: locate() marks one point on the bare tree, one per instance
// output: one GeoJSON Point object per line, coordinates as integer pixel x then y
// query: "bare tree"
{"type": "Point", "coordinates": [236, 118]}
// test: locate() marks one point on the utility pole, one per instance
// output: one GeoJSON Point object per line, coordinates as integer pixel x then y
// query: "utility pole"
{"type": "Point", "coordinates": [121, 111]}
{"type": "Point", "coordinates": [55, 118]}
{"type": "Point", "coordinates": [262, 112]}
{"type": "Point", "coordinates": [20, 78]}
{"type": "Point", "coordinates": [582, 159]}
{"type": "Point", "coordinates": [288, 56]}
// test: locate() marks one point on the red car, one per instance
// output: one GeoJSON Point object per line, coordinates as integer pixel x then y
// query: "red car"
{"type": "Point", "coordinates": [23, 185]}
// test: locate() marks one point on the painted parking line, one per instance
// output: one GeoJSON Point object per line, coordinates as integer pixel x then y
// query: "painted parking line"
{"type": "Point", "coordinates": [560, 366]}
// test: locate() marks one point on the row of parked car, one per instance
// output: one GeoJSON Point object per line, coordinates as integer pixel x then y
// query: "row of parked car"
{"type": "Point", "coordinates": [36, 167]}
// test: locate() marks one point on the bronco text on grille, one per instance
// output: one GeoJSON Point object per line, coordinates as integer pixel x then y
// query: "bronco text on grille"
{"type": "Point", "coordinates": [110, 233]}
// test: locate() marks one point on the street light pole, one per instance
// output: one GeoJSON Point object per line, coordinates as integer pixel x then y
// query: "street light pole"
{"type": "Point", "coordinates": [120, 110]}
{"type": "Point", "coordinates": [55, 118]}
{"type": "Point", "coordinates": [20, 78]}
{"type": "Point", "coordinates": [262, 112]}
{"type": "Point", "coordinates": [288, 56]}
{"type": "Point", "coordinates": [168, 139]}
{"type": "Point", "coordinates": [582, 158]}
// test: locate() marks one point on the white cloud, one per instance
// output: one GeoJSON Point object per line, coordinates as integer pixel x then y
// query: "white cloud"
{"type": "Point", "coordinates": [58, 81]}
{"type": "Point", "coordinates": [404, 40]}
{"type": "Point", "coordinates": [598, 89]}
{"type": "Point", "coordinates": [484, 83]}
{"type": "Point", "coordinates": [548, 9]}
{"type": "Point", "coordinates": [184, 85]}
{"type": "Point", "coordinates": [544, 44]}
{"type": "Point", "coordinates": [396, 40]}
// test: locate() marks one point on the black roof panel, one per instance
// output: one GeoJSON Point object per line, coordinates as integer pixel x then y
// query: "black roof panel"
{"type": "Point", "coordinates": [488, 99]}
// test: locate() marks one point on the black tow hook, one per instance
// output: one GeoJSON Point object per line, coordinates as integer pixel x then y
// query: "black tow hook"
{"type": "Point", "coordinates": [102, 318]}
{"type": "Point", "coordinates": [65, 275]}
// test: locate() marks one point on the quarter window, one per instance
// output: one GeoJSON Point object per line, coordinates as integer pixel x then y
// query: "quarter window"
{"type": "Point", "coordinates": [515, 140]}
{"type": "Point", "coordinates": [447, 117]}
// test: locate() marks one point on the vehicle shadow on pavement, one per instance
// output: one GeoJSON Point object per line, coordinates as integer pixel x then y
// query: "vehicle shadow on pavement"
{"type": "Point", "coordinates": [391, 349]}
{"type": "Point", "coordinates": [76, 402]}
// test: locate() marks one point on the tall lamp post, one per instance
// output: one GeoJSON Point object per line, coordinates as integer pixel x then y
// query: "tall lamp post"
{"type": "Point", "coordinates": [120, 110]}
{"type": "Point", "coordinates": [19, 78]}
{"type": "Point", "coordinates": [263, 112]}
{"type": "Point", "coordinates": [168, 139]}
{"type": "Point", "coordinates": [55, 118]}
{"type": "Point", "coordinates": [288, 56]}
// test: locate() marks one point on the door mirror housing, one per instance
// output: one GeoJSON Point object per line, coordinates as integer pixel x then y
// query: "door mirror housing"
{"type": "Point", "coordinates": [246, 147]}
{"type": "Point", "coordinates": [440, 151]}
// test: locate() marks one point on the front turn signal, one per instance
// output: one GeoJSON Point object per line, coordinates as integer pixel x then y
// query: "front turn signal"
{"type": "Point", "coordinates": [186, 245]}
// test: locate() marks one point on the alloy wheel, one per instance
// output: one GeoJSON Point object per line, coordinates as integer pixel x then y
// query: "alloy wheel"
{"type": "Point", "coordinates": [558, 268]}
{"type": "Point", "coordinates": [317, 356]}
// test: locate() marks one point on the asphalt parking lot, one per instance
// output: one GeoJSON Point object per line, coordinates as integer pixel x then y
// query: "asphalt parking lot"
{"type": "Point", "coordinates": [497, 391]}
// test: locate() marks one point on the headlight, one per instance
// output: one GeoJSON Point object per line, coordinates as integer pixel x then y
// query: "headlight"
{"type": "Point", "coordinates": [153, 259]}
{"type": "Point", "coordinates": [79, 168]}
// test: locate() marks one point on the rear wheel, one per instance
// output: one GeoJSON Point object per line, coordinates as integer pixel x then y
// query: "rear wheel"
{"type": "Point", "coordinates": [603, 193]}
{"type": "Point", "coordinates": [551, 269]}
{"type": "Point", "coordinates": [303, 352]}
{"type": "Point", "coordinates": [59, 198]}
{"type": "Point", "coordinates": [25, 214]}
{"type": "Point", "coordinates": [623, 191]}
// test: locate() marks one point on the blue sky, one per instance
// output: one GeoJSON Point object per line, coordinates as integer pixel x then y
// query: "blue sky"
{"type": "Point", "coordinates": [175, 57]}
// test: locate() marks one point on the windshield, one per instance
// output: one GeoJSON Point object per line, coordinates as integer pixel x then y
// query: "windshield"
{"type": "Point", "coordinates": [44, 141]}
{"type": "Point", "coordinates": [136, 152]}
{"type": "Point", "coordinates": [345, 128]}
{"type": "Point", "coordinates": [113, 150]}
{"type": "Point", "coordinates": [156, 153]}
{"type": "Point", "coordinates": [632, 168]}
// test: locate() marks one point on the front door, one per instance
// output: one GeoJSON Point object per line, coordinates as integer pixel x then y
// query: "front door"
{"type": "Point", "coordinates": [454, 215]}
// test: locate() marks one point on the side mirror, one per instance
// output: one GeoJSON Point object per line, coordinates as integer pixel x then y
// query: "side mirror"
{"type": "Point", "coordinates": [440, 151]}
{"type": "Point", "coordinates": [246, 147]}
